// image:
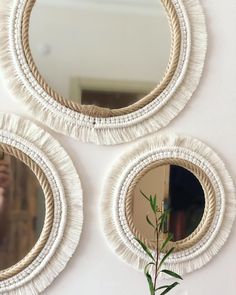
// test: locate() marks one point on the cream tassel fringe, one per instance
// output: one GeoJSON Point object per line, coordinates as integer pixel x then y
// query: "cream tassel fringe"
{"type": "Point", "coordinates": [115, 134]}
{"type": "Point", "coordinates": [74, 203]}
{"type": "Point", "coordinates": [115, 238]}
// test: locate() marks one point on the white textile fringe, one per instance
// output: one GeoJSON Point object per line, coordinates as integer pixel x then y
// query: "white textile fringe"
{"type": "Point", "coordinates": [112, 130]}
{"type": "Point", "coordinates": [34, 138]}
{"type": "Point", "coordinates": [113, 218]}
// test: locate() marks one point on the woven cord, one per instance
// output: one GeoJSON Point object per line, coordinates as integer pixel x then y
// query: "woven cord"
{"type": "Point", "coordinates": [210, 203]}
{"type": "Point", "coordinates": [49, 214]}
{"type": "Point", "coordinates": [95, 111]}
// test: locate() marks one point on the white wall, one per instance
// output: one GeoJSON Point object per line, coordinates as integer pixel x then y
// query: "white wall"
{"type": "Point", "coordinates": [210, 116]}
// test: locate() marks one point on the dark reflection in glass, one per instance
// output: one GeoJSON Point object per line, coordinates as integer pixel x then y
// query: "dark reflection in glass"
{"type": "Point", "coordinates": [177, 189]}
{"type": "Point", "coordinates": [187, 202]}
{"type": "Point", "coordinates": [22, 210]}
{"type": "Point", "coordinates": [110, 99]}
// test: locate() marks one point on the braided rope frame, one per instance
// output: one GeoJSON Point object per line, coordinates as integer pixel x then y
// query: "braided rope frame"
{"type": "Point", "coordinates": [209, 210]}
{"type": "Point", "coordinates": [49, 212]}
{"type": "Point", "coordinates": [50, 255]}
{"type": "Point", "coordinates": [197, 249]}
{"type": "Point", "coordinates": [95, 111]}
{"type": "Point", "coordinates": [100, 125]}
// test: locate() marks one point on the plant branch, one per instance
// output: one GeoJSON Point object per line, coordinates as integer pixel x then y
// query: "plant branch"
{"type": "Point", "coordinates": [156, 263]}
{"type": "Point", "coordinates": [157, 252]}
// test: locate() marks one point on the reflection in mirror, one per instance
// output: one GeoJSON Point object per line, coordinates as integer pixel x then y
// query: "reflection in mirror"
{"type": "Point", "coordinates": [178, 190]}
{"type": "Point", "coordinates": [22, 210]}
{"type": "Point", "coordinates": [104, 53]}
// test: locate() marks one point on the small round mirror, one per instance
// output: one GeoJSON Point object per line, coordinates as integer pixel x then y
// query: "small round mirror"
{"type": "Point", "coordinates": [108, 54]}
{"type": "Point", "coordinates": [22, 210]}
{"type": "Point", "coordinates": [178, 191]}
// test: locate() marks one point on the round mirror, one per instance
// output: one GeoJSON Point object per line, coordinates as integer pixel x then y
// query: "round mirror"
{"type": "Point", "coordinates": [22, 210]}
{"type": "Point", "coordinates": [177, 190]}
{"type": "Point", "coordinates": [108, 54]}
{"type": "Point", "coordinates": [183, 175]}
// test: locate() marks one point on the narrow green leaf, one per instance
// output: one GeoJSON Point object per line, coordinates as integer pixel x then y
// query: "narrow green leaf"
{"type": "Point", "coordinates": [163, 219]}
{"type": "Point", "coordinates": [149, 221]}
{"type": "Point", "coordinates": [145, 248]}
{"type": "Point", "coordinates": [147, 266]}
{"type": "Point", "coordinates": [162, 287]}
{"type": "Point", "coordinates": [165, 213]}
{"type": "Point", "coordinates": [165, 257]}
{"type": "Point", "coordinates": [150, 283]}
{"type": "Point", "coordinates": [172, 274]}
{"type": "Point", "coordinates": [169, 288]}
{"type": "Point", "coordinates": [144, 195]}
{"type": "Point", "coordinates": [160, 218]}
{"type": "Point", "coordinates": [153, 204]}
{"type": "Point", "coordinates": [161, 226]}
{"type": "Point", "coordinates": [167, 240]}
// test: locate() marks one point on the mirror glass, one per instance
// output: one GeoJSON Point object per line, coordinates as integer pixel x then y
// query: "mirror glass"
{"type": "Point", "coordinates": [105, 53]}
{"type": "Point", "coordinates": [22, 210]}
{"type": "Point", "coordinates": [176, 189]}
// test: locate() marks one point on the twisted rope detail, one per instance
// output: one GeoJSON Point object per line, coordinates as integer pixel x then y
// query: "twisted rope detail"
{"type": "Point", "coordinates": [209, 211]}
{"type": "Point", "coordinates": [49, 212]}
{"type": "Point", "coordinates": [95, 111]}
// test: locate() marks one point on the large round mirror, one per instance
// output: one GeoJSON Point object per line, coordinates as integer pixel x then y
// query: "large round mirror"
{"type": "Point", "coordinates": [177, 190]}
{"type": "Point", "coordinates": [98, 71]}
{"type": "Point", "coordinates": [22, 210]}
{"type": "Point", "coordinates": [108, 54]}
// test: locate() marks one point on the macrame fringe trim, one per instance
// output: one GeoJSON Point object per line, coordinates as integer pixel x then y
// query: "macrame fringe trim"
{"type": "Point", "coordinates": [73, 192]}
{"type": "Point", "coordinates": [109, 197]}
{"type": "Point", "coordinates": [111, 135]}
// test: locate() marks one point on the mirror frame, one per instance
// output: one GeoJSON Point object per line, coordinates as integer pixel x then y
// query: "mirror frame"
{"type": "Point", "coordinates": [210, 202]}
{"type": "Point", "coordinates": [220, 203]}
{"type": "Point", "coordinates": [63, 205]}
{"type": "Point", "coordinates": [96, 124]}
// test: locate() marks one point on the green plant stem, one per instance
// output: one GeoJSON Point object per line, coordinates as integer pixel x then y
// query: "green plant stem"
{"type": "Point", "coordinates": [157, 253]}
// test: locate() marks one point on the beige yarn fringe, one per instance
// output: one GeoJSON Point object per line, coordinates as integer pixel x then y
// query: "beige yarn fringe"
{"type": "Point", "coordinates": [115, 238]}
{"type": "Point", "coordinates": [37, 281]}
{"type": "Point", "coordinates": [121, 133]}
